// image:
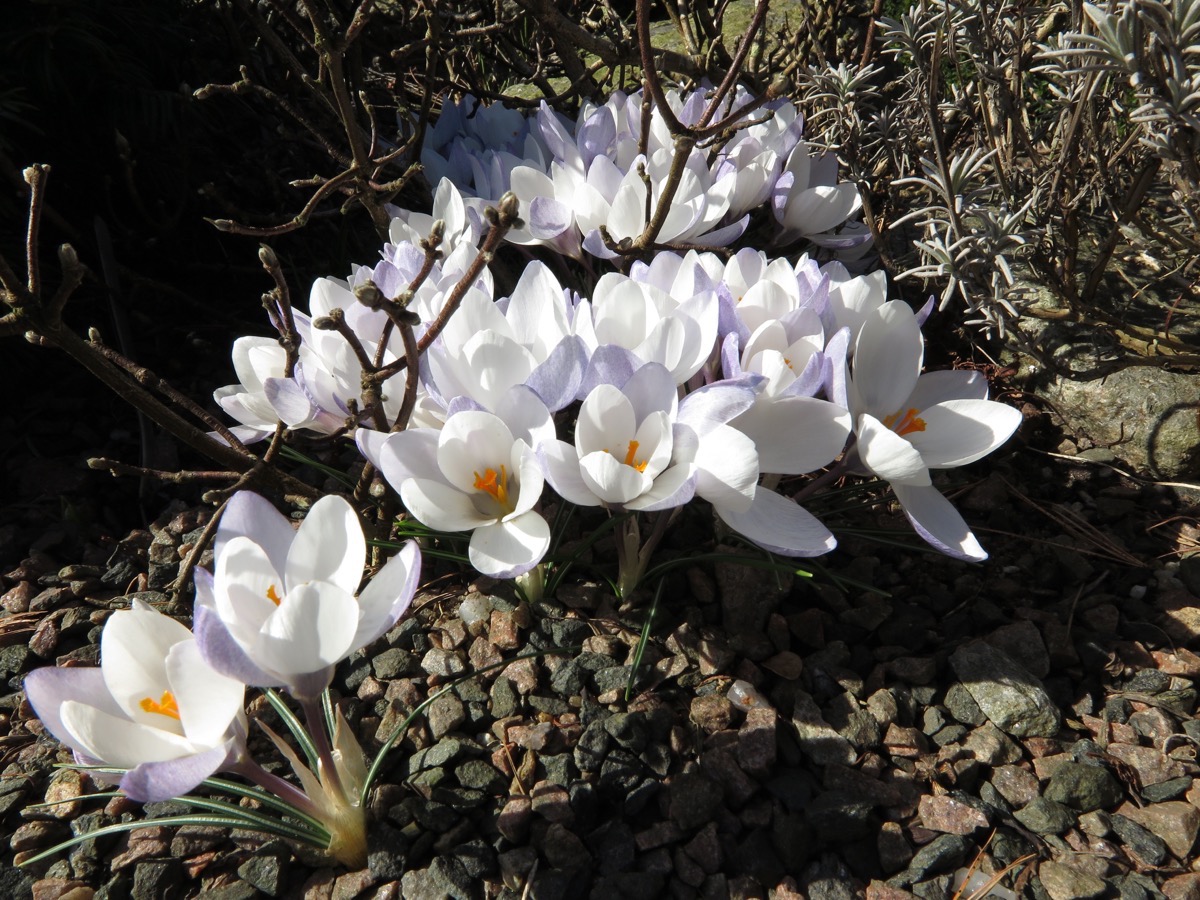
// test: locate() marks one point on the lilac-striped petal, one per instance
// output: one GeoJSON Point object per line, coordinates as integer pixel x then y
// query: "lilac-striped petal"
{"type": "Point", "coordinates": [158, 781]}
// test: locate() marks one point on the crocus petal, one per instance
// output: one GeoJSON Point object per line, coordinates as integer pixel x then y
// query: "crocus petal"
{"type": "Point", "coordinates": [938, 522]}
{"type": "Point", "coordinates": [152, 782]}
{"type": "Point", "coordinates": [713, 405]}
{"type": "Point", "coordinates": [290, 402]}
{"type": "Point", "coordinates": [779, 525]}
{"type": "Point", "coordinates": [605, 422]}
{"type": "Point", "coordinates": [328, 547]}
{"type": "Point", "coordinates": [795, 435]}
{"type": "Point", "coordinates": [558, 378]}
{"type": "Point", "coordinates": [510, 548]}
{"type": "Point", "coordinates": [133, 646]}
{"type": "Point", "coordinates": [243, 586]}
{"type": "Point", "coordinates": [470, 443]}
{"type": "Point", "coordinates": [222, 653]}
{"type": "Point", "coordinates": [208, 701]}
{"type": "Point", "coordinates": [440, 506]}
{"type": "Point", "coordinates": [727, 468]}
{"type": "Point", "coordinates": [560, 461]}
{"type": "Point", "coordinates": [610, 479]}
{"type": "Point", "coordinates": [887, 358]}
{"type": "Point", "coordinates": [958, 432]}
{"type": "Point", "coordinates": [388, 595]}
{"type": "Point", "coordinates": [49, 687]}
{"type": "Point", "coordinates": [948, 384]}
{"type": "Point", "coordinates": [312, 628]}
{"type": "Point", "coordinates": [609, 364]}
{"type": "Point", "coordinates": [889, 455]}
{"type": "Point", "coordinates": [649, 390]}
{"type": "Point", "coordinates": [673, 487]}
{"type": "Point", "coordinates": [410, 454]}
{"type": "Point", "coordinates": [116, 740]}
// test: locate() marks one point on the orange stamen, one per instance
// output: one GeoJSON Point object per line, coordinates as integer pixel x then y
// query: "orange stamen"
{"type": "Point", "coordinates": [273, 595]}
{"type": "Point", "coordinates": [631, 455]}
{"type": "Point", "coordinates": [495, 485]}
{"type": "Point", "coordinates": [164, 707]}
{"type": "Point", "coordinates": [906, 424]}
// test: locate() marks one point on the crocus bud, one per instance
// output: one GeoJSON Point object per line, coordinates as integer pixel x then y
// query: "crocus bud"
{"type": "Point", "coordinates": [369, 295]}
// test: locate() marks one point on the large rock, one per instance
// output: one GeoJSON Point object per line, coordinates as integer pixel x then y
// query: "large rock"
{"type": "Point", "coordinates": [1008, 694]}
{"type": "Point", "coordinates": [1144, 413]}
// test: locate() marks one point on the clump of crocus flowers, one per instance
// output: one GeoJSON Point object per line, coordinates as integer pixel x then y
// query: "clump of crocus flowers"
{"type": "Point", "coordinates": [165, 710]}
{"type": "Point", "coordinates": [641, 362]}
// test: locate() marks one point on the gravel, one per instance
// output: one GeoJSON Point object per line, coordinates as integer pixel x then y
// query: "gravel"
{"type": "Point", "coordinates": [890, 737]}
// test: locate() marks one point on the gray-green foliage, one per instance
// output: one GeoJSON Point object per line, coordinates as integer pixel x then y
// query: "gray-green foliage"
{"type": "Point", "coordinates": [997, 137]}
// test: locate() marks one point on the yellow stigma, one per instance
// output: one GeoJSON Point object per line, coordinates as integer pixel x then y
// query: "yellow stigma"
{"type": "Point", "coordinates": [164, 707]}
{"type": "Point", "coordinates": [906, 424]}
{"type": "Point", "coordinates": [631, 457]}
{"type": "Point", "coordinates": [273, 595]}
{"type": "Point", "coordinates": [491, 483]}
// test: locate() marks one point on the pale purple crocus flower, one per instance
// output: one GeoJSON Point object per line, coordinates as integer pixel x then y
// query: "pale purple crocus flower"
{"type": "Point", "coordinates": [280, 607]}
{"type": "Point", "coordinates": [153, 707]}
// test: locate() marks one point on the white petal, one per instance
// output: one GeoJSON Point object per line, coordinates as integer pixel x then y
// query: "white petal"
{"type": "Point", "coordinates": [727, 468]}
{"type": "Point", "coordinates": [440, 506]}
{"type": "Point", "coordinates": [253, 516]}
{"type": "Point", "coordinates": [889, 455]}
{"type": "Point", "coordinates": [510, 548]}
{"type": "Point", "coordinates": [562, 471]}
{"type": "Point", "coordinates": [329, 547]}
{"type": "Point", "coordinates": [388, 595]}
{"type": "Point", "coordinates": [958, 432]}
{"type": "Point", "coordinates": [243, 586]}
{"type": "Point", "coordinates": [795, 435]}
{"type": "Point", "coordinates": [610, 479]}
{"type": "Point", "coordinates": [606, 421]}
{"type": "Point", "coordinates": [948, 384]}
{"type": "Point", "coordinates": [120, 742]}
{"type": "Point", "coordinates": [938, 522]}
{"type": "Point", "coordinates": [133, 651]}
{"type": "Point", "coordinates": [780, 525]}
{"type": "Point", "coordinates": [208, 701]}
{"type": "Point", "coordinates": [313, 628]}
{"type": "Point", "coordinates": [410, 454]}
{"type": "Point", "coordinates": [887, 358]}
{"type": "Point", "coordinates": [472, 442]}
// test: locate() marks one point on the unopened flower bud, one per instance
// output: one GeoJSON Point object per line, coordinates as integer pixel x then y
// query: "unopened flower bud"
{"type": "Point", "coordinates": [369, 295]}
{"type": "Point", "coordinates": [329, 322]}
{"type": "Point", "coordinates": [267, 257]}
{"type": "Point", "coordinates": [437, 232]}
{"type": "Point", "coordinates": [67, 257]}
{"type": "Point", "coordinates": [510, 207]}
{"type": "Point", "coordinates": [778, 87]}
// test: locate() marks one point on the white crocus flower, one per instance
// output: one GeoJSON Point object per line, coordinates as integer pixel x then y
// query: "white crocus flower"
{"type": "Point", "coordinates": [808, 199]}
{"type": "Point", "coordinates": [653, 325]}
{"type": "Point", "coordinates": [528, 338]}
{"type": "Point", "coordinates": [474, 475]}
{"type": "Point", "coordinates": [255, 360]}
{"type": "Point", "coordinates": [908, 423]}
{"type": "Point", "coordinates": [638, 448]}
{"type": "Point", "coordinates": [280, 607]}
{"type": "Point", "coordinates": [153, 706]}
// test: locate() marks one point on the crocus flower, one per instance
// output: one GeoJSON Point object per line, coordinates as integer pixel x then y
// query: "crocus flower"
{"type": "Point", "coordinates": [280, 609]}
{"type": "Point", "coordinates": [478, 474]}
{"type": "Point", "coordinates": [908, 423]}
{"type": "Point", "coordinates": [153, 707]}
{"type": "Point", "coordinates": [255, 360]}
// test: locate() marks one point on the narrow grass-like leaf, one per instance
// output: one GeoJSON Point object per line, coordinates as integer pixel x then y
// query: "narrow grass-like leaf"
{"type": "Point", "coordinates": [643, 639]}
{"type": "Point", "coordinates": [294, 726]}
